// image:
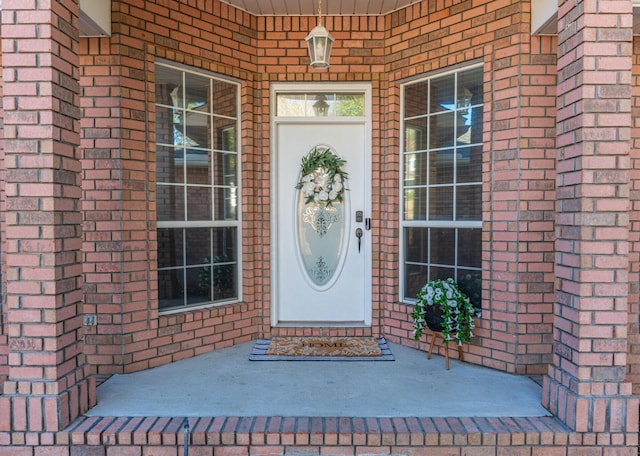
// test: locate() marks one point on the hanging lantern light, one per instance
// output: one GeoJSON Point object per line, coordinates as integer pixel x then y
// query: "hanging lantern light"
{"type": "Point", "coordinates": [319, 42]}
{"type": "Point", "coordinates": [321, 107]}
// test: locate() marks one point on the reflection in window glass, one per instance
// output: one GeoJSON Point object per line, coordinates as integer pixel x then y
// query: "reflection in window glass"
{"type": "Point", "coordinates": [170, 245]}
{"type": "Point", "coordinates": [197, 188]}
{"type": "Point", "coordinates": [442, 181]}
{"type": "Point", "coordinates": [442, 95]}
{"type": "Point", "coordinates": [415, 99]}
{"type": "Point", "coordinates": [349, 105]}
{"type": "Point", "coordinates": [320, 105]}
{"type": "Point", "coordinates": [415, 134]}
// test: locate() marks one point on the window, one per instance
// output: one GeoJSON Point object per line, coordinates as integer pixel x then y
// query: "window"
{"type": "Point", "coordinates": [320, 105]}
{"type": "Point", "coordinates": [442, 181]}
{"type": "Point", "coordinates": [197, 188]}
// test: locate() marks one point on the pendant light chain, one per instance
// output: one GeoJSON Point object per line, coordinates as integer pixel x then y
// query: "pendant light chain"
{"type": "Point", "coordinates": [319, 41]}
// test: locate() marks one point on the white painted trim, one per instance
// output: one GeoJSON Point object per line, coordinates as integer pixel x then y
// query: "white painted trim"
{"type": "Point", "coordinates": [542, 11]}
{"type": "Point", "coordinates": [333, 87]}
{"type": "Point", "coordinates": [95, 18]}
{"type": "Point", "coordinates": [544, 16]}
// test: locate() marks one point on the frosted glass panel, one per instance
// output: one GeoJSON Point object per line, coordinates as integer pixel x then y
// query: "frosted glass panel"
{"type": "Point", "coordinates": [320, 238]}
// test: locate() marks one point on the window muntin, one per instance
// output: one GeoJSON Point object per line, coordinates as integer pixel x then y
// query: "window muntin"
{"type": "Point", "coordinates": [197, 166]}
{"type": "Point", "coordinates": [442, 181]}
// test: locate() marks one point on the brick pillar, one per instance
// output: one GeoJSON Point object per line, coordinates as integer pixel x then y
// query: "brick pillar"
{"type": "Point", "coordinates": [586, 385]}
{"type": "Point", "coordinates": [47, 386]}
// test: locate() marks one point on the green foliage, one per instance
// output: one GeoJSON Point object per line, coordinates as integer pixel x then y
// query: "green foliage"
{"type": "Point", "coordinates": [323, 159]}
{"type": "Point", "coordinates": [323, 179]}
{"type": "Point", "coordinates": [350, 106]}
{"type": "Point", "coordinates": [458, 314]}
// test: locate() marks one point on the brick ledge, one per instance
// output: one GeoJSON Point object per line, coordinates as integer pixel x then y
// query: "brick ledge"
{"type": "Point", "coordinates": [243, 436]}
{"type": "Point", "coordinates": [396, 432]}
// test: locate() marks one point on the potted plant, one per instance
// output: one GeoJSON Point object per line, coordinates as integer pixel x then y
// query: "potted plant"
{"type": "Point", "coordinates": [443, 308]}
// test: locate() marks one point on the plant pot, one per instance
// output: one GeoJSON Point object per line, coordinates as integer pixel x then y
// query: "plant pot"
{"type": "Point", "coordinates": [433, 318]}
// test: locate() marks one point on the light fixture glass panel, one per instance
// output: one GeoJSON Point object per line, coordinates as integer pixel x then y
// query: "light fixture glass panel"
{"type": "Point", "coordinates": [319, 42]}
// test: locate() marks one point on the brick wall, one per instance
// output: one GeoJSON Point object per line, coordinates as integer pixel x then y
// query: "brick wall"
{"type": "Point", "coordinates": [118, 171]}
{"type": "Point", "coordinates": [119, 182]}
{"type": "Point", "coordinates": [4, 347]}
{"type": "Point", "coordinates": [119, 242]}
{"type": "Point", "coordinates": [47, 385]}
{"type": "Point", "coordinates": [119, 166]}
{"type": "Point", "coordinates": [515, 333]}
{"type": "Point", "coordinates": [633, 356]}
{"type": "Point", "coordinates": [586, 386]}
{"type": "Point", "coordinates": [255, 436]}
{"type": "Point", "coordinates": [102, 214]}
{"type": "Point", "coordinates": [357, 56]}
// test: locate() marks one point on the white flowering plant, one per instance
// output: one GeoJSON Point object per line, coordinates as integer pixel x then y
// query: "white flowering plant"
{"type": "Point", "coordinates": [323, 177]}
{"type": "Point", "coordinates": [458, 313]}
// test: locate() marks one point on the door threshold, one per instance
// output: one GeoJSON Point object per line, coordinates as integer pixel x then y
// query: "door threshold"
{"type": "Point", "coordinates": [322, 324]}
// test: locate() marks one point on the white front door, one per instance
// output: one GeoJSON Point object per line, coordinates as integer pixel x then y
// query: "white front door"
{"type": "Point", "coordinates": [341, 296]}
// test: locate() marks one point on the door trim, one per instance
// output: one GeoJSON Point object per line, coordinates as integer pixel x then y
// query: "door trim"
{"type": "Point", "coordinates": [336, 87]}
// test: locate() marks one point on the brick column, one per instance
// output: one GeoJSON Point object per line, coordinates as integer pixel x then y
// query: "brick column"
{"type": "Point", "coordinates": [586, 385]}
{"type": "Point", "coordinates": [47, 386]}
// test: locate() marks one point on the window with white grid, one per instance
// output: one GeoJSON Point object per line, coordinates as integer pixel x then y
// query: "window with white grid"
{"type": "Point", "coordinates": [197, 165]}
{"type": "Point", "coordinates": [442, 181]}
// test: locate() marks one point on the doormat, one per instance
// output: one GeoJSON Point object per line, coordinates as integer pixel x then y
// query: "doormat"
{"type": "Point", "coordinates": [321, 349]}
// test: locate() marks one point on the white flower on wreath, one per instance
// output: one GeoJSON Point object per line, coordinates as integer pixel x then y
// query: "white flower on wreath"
{"type": "Point", "coordinates": [323, 177]}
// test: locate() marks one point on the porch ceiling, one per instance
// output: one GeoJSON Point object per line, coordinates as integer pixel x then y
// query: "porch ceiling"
{"type": "Point", "coordinates": [329, 7]}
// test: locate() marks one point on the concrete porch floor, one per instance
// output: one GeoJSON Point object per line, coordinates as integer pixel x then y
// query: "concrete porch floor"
{"type": "Point", "coordinates": [226, 383]}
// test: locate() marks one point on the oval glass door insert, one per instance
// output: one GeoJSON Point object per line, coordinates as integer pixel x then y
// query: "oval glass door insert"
{"type": "Point", "coordinates": [320, 216]}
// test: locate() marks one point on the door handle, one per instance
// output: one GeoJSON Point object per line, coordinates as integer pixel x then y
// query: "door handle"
{"type": "Point", "coordinates": [359, 236]}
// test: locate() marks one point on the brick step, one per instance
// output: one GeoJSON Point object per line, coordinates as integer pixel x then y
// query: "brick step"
{"type": "Point", "coordinates": [239, 436]}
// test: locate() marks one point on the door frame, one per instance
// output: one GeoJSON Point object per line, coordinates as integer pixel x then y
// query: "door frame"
{"type": "Point", "coordinates": [335, 87]}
